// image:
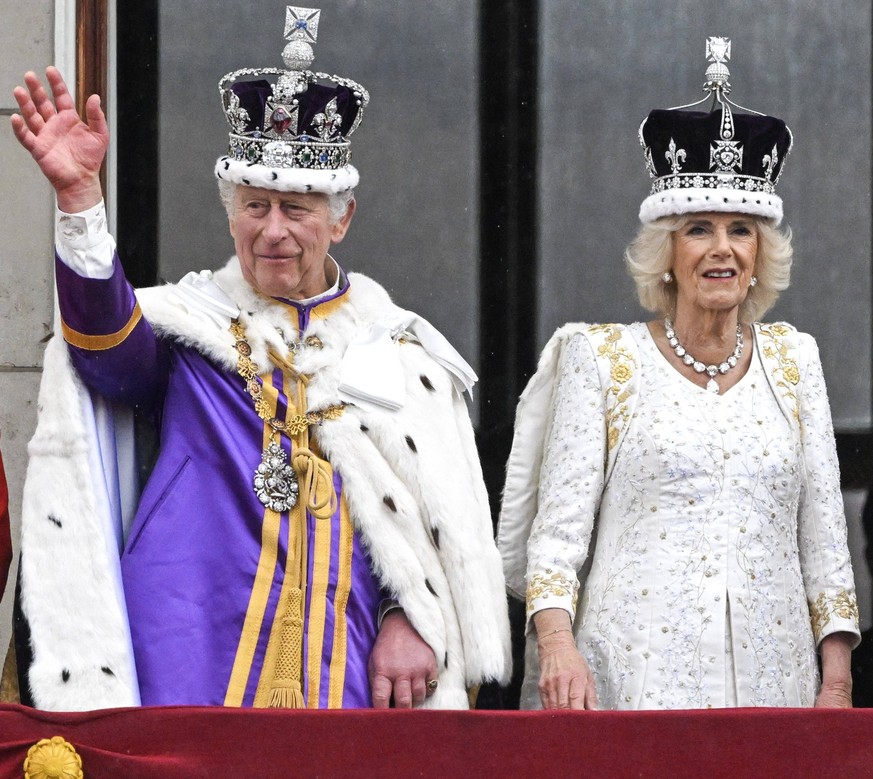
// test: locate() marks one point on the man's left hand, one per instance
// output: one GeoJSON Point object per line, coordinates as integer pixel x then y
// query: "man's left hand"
{"type": "Point", "coordinates": [401, 664]}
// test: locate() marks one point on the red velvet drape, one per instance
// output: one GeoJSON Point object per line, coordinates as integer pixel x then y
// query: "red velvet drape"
{"type": "Point", "coordinates": [204, 742]}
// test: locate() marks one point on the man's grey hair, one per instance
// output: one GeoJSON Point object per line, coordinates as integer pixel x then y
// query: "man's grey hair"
{"type": "Point", "coordinates": [337, 203]}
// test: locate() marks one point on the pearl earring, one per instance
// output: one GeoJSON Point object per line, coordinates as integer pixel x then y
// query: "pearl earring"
{"type": "Point", "coordinates": [753, 281]}
{"type": "Point", "coordinates": [667, 277]}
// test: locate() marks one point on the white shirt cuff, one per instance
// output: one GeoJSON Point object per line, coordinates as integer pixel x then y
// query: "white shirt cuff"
{"type": "Point", "coordinates": [83, 242]}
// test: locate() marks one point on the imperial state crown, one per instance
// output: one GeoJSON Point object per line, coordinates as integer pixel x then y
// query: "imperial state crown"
{"type": "Point", "coordinates": [290, 128]}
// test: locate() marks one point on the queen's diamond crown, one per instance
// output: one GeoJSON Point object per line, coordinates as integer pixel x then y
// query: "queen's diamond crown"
{"type": "Point", "coordinates": [726, 158]}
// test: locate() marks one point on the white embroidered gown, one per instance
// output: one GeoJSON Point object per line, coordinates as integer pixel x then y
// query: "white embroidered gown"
{"type": "Point", "coordinates": [719, 529]}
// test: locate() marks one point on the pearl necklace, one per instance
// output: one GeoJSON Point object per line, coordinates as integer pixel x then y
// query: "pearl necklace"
{"type": "Point", "coordinates": [711, 370]}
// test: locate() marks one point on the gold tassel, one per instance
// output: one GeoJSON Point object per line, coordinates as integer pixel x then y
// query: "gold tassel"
{"type": "Point", "coordinates": [286, 697]}
{"type": "Point", "coordinates": [286, 691]}
{"type": "Point", "coordinates": [315, 478]}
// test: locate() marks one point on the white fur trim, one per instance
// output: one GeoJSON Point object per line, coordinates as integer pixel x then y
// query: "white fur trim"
{"type": "Point", "coordinates": [71, 588]}
{"type": "Point", "coordinates": [331, 182]}
{"type": "Point", "coordinates": [434, 550]}
{"type": "Point", "coordinates": [672, 202]}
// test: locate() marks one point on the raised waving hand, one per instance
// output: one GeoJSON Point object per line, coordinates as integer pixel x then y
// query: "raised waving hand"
{"type": "Point", "coordinates": [68, 150]}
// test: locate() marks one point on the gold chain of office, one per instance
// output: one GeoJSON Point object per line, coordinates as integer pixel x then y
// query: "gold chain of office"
{"type": "Point", "coordinates": [248, 369]}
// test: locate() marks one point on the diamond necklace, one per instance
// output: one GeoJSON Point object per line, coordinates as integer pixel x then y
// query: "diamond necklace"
{"type": "Point", "coordinates": [710, 370]}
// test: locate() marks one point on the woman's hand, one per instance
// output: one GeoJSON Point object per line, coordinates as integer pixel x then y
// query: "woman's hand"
{"type": "Point", "coordinates": [836, 668]}
{"type": "Point", "coordinates": [566, 681]}
{"type": "Point", "coordinates": [69, 152]}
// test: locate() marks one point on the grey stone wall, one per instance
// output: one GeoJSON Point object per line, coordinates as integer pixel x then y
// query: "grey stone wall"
{"type": "Point", "coordinates": [26, 219]}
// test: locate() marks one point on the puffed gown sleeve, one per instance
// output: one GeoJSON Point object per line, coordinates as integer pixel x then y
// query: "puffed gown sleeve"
{"type": "Point", "coordinates": [571, 482]}
{"type": "Point", "coordinates": [822, 540]}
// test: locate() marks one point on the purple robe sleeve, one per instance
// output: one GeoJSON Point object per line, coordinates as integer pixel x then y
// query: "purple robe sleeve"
{"type": "Point", "coordinates": [112, 346]}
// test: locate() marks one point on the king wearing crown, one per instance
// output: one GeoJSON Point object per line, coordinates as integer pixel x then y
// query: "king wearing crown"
{"type": "Point", "coordinates": [315, 531]}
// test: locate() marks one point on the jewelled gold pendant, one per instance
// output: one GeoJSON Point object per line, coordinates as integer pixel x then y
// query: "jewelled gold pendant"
{"type": "Point", "coordinates": [275, 481]}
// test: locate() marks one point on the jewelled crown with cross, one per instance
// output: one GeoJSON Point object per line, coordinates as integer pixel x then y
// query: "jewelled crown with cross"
{"type": "Point", "coordinates": [289, 129]}
{"type": "Point", "coordinates": [717, 160]}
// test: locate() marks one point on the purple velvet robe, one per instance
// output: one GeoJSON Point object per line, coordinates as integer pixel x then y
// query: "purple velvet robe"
{"type": "Point", "coordinates": [204, 562]}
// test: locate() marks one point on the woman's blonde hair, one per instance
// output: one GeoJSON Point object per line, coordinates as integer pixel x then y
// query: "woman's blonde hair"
{"type": "Point", "coordinates": [651, 254]}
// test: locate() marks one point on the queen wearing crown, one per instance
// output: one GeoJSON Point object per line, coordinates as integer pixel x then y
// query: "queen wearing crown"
{"type": "Point", "coordinates": [672, 513]}
{"type": "Point", "coordinates": [315, 531]}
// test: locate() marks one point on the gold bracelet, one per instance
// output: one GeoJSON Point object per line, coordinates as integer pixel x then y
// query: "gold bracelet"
{"type": "Point", "coordinates": [556, 630]}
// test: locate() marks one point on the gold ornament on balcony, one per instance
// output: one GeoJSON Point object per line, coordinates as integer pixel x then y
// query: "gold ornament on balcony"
{"type": "Point", "coordinates": [53, 758]}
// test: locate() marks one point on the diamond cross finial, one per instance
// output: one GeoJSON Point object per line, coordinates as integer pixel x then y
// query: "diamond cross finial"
{"type": "Point", "coordinates": [301, 24]}
{"type": "Point", "coordinates": [718, 49]}
{"type": "Point", "coordinates": [718, 52]}
{"type": "Point", "coordinates": [301, 31]}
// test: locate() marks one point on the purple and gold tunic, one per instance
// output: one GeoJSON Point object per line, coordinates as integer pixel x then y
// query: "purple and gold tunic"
{"type": "Point", "coordinates": [206, 567]}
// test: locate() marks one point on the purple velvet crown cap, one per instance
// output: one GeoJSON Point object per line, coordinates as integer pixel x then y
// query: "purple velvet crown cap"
{"type": "Point", "coordinates": [253, 97]}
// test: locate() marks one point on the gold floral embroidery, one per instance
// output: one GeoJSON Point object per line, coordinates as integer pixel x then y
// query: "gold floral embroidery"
{"type": "Point", "coordinates": [791, 374]}
{"type": "Point", "coordinates": [818, 614]}
{"type": "Point", "coordinates": [552, 584]}
{"type": "Point", "coordinates": [786, 373]}
{"type": "Point", "coordinates": [844, 606]}
{"type": "Point", "coordinates": [622, 365]}
{"type": "Point", "coordinates": [620, 373]}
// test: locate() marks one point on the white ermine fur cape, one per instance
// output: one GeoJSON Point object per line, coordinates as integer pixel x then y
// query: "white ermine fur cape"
{"type": "Point", "coordinates": [411, 478]}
